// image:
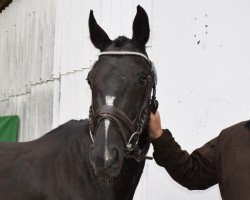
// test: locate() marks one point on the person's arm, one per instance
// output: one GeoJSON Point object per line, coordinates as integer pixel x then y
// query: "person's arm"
{"type": "Point", "coordinates": [194, 171]}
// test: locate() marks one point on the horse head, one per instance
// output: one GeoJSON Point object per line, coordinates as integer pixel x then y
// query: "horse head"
{"type": "Point", "coordinates": [122, 82]}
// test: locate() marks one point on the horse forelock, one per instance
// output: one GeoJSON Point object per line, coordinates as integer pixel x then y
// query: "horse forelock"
{"type": "Point", "coordinates": [120, 41]}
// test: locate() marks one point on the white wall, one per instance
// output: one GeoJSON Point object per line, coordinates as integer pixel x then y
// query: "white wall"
{"type": "Point", "coordinates": [26, 62]}
{"type": "Point", "coordinates": [202, 88]}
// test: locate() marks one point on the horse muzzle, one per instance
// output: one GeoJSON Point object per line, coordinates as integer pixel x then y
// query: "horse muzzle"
{"type": "Point", "coordinates": [106, 163]}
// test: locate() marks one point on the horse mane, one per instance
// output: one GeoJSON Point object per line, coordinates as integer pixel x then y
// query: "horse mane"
{"type": "Point", "coordinates": [247, 124]}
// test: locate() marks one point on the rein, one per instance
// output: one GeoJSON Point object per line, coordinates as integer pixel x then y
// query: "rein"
{"type": "Point", "coordinates": [121, 120]}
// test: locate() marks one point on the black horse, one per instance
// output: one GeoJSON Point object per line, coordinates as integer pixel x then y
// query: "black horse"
{"type": "Point", "coordinates": [99, 158]}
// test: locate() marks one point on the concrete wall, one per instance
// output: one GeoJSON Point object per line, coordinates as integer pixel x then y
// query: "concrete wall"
{"type": "Point", "coordinates": [200, 49]}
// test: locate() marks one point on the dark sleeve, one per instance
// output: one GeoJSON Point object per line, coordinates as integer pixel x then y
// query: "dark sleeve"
{"type": "Point", "coordinates": [194, 171]}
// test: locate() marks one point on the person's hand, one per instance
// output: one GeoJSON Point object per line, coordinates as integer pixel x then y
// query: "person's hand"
{"type": "Point", "coordinates": [155, 129]}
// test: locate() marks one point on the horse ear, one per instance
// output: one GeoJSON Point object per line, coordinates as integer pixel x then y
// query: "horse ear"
{"type": "Point", "coordinates": [98, 36]}
{"type": "Point", "coordinates": [141, 27]}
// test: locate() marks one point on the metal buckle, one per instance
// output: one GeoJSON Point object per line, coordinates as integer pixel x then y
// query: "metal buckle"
{"type": "Point", "coordinates": [130, 144]}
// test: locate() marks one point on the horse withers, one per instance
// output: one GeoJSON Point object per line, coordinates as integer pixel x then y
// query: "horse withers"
{"type": "Point", "coordinates": [99, 158]}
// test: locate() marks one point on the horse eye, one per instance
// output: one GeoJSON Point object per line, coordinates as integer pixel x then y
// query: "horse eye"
{"type": "Point", "coordinates": [88, 81]}
{"type": "Point", "coordinates": [142, 79]}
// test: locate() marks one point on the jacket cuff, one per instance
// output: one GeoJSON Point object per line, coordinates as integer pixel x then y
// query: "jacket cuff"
{"type": "Point", "coordinates": [163, 142]}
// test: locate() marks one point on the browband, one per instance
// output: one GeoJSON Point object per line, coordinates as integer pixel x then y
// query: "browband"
{"type": "Point", "coordinates": [125, 53]}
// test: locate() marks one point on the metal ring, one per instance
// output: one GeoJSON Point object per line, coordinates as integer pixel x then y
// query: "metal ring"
{"type": "Point", "coordinates": [129, 145]}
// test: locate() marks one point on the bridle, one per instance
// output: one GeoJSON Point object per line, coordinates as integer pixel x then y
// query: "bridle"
{"type": "Point", "coordinates": [121, 120]}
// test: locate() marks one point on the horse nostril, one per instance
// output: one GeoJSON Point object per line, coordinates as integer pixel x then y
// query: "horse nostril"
{"type": "Point", "coordinates": [115, 155]}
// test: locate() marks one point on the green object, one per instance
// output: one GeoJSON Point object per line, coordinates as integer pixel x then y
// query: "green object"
{"type": "Point", "coordinates": [9, 128]}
